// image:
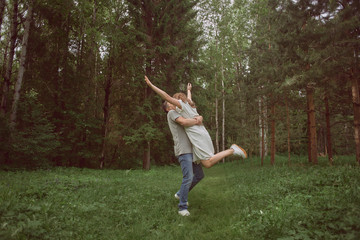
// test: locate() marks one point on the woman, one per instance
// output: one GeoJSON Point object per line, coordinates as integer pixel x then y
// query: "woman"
{"type": "Point", "coordinates": [203, 149]}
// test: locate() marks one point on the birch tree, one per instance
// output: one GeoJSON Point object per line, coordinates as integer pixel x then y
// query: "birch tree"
{"type": "Point", "coordinates": [19, 81]}
{"type": "Point", "coordinates": [10, 60]}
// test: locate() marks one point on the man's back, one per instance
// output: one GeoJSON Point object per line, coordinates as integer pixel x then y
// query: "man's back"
{"type": "Point", "coordinates": [182, 143]}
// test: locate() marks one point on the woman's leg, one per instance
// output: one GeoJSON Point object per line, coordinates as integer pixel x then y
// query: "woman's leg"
{"type": "Point", "coordinates": [234, 149]}
{"type": "Point", "coordinates": [217, 158]}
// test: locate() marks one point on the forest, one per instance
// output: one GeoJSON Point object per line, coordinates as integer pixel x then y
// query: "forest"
{"type": "Point", "coordinates": [278, 77]}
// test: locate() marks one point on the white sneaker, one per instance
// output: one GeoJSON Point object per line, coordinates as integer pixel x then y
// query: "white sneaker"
{"type": "Point", "coordinates": [178, 198]}
{"type": "Point", "coordinates": [239, 151]}
{"type": "Point", "coordinates": [184, 213]}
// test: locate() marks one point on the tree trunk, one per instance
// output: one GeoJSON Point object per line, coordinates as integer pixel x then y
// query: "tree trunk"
{"type": "Point", "coordinates": [146, 157]}
{"type": "Point", "coordinates": [3, 64]}
{"type": "Point", "coordinates": [262, 130]}
{"type": "Point", "coordinates": [308, 132]}
{"type": "Point", "coordinates": [7, 77]}
{"type": "Point", "coordinates": [2, 8]}
{"type": "Point", "coordinates": [265, 123]}
{"type": "Point", "coordinates": [223, 117]}
{"type": "Point", "coordinates": [223, 109]}
{"type": "Point", "coordinates": [328, 129]}
{"type": "Point", "coordinates": [19, 81]}
{"type": "Point", "coordinates": [216, 117]}
{"type": "Point", "coordinates": [106, 107]}
{"type": "Point", "coordinates": [356, 106]}
{"type": "Point", "coordinates": [273, 134]}
{"type": "Point", "coordinates": [94, 88]}
{"type": "Point", "coordinates": [288, 130]}
{"type": "Point", "coordinates": [312, 124]}
{"type": "Point", "coordinates": [93, 45]}
{"type": "Point", "coordinates": [262, 143]}
{"type": "Point", "coordinates": [216, 106]}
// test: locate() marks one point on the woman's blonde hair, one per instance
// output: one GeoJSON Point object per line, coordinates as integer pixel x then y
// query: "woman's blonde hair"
{"type": "Point", "coordinates": [181, 96]}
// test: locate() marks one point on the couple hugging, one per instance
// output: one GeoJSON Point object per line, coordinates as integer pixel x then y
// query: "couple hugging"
{"type": "Point", "coordinates": [192, 143]}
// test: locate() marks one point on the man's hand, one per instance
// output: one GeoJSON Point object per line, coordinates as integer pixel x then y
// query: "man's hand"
{"type": "Point", "coordinates": [199, 120]}
{"type": "Point", "coordinates": [188, 122]}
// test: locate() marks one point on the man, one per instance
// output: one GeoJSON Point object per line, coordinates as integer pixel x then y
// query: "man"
{"type": "Point", "coordinates": [192, 172]}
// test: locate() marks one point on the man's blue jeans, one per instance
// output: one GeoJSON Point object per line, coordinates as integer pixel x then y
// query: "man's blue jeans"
{"type": "Point", "coordinates": [192, 175]}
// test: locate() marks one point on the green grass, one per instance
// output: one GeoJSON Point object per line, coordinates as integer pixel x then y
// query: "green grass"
{"type": "Point", "coordinates": [236, 200]}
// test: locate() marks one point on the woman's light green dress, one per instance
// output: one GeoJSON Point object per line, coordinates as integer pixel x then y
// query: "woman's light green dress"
{"type": "Point", "coordinates": [203, 148]}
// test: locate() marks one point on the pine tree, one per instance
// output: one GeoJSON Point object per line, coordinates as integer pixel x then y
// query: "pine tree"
{"type": "Point", "coordinates": [169, 36]}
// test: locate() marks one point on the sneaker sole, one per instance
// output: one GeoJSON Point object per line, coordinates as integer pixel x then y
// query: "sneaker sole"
{"type": "Point", "coordinates": [242, 150]}
{"type": "Point", "coordinates": [185, 214]}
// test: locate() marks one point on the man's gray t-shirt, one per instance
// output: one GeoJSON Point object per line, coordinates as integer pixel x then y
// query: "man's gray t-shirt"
{"type": "Point", "coordinates": [182, 143]}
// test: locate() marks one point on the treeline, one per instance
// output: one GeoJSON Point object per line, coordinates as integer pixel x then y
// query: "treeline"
{"type": "Point", "coordinates": [272, 76]}
{"type": "Point", "coordinates": [309, 50]}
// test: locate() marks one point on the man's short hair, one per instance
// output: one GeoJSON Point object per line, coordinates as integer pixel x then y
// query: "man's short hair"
{"type": "Point", "coordinates": [165, 106]}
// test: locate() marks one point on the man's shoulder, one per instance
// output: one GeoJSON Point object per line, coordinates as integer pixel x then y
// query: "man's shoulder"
{"type": "Point", "coordinates": [173, 115]}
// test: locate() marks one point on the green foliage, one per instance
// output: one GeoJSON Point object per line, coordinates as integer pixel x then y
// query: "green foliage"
{"type": "Point", "coordinates": [238, 200]}
{"type": "Point", "coordinates": [33, 141]}
{"type": "Point", "coordinates": [87, 58]}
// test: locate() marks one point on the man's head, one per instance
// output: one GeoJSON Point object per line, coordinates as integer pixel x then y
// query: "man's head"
{"type": "Point", "coordinates": [168, 106]}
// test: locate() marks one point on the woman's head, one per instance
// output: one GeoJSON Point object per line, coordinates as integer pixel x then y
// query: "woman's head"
{"type": "Point", "coordinates": [181, 96]}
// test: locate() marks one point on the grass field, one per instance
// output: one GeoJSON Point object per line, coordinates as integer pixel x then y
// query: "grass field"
{"type": "Point", "coordinates": [235, 200]}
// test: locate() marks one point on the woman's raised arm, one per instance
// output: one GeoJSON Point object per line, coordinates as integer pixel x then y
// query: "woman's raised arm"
{"type": "Point", "coordinates": [163, 94]}
{"type": "Point", "coordinates": [189, 86]}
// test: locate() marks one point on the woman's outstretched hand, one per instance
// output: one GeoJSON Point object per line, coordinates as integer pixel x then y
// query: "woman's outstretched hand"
{"type": "Point", "coordinates": [148, 81]}
{"type": "Point", "coordinates": [189, 86]}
